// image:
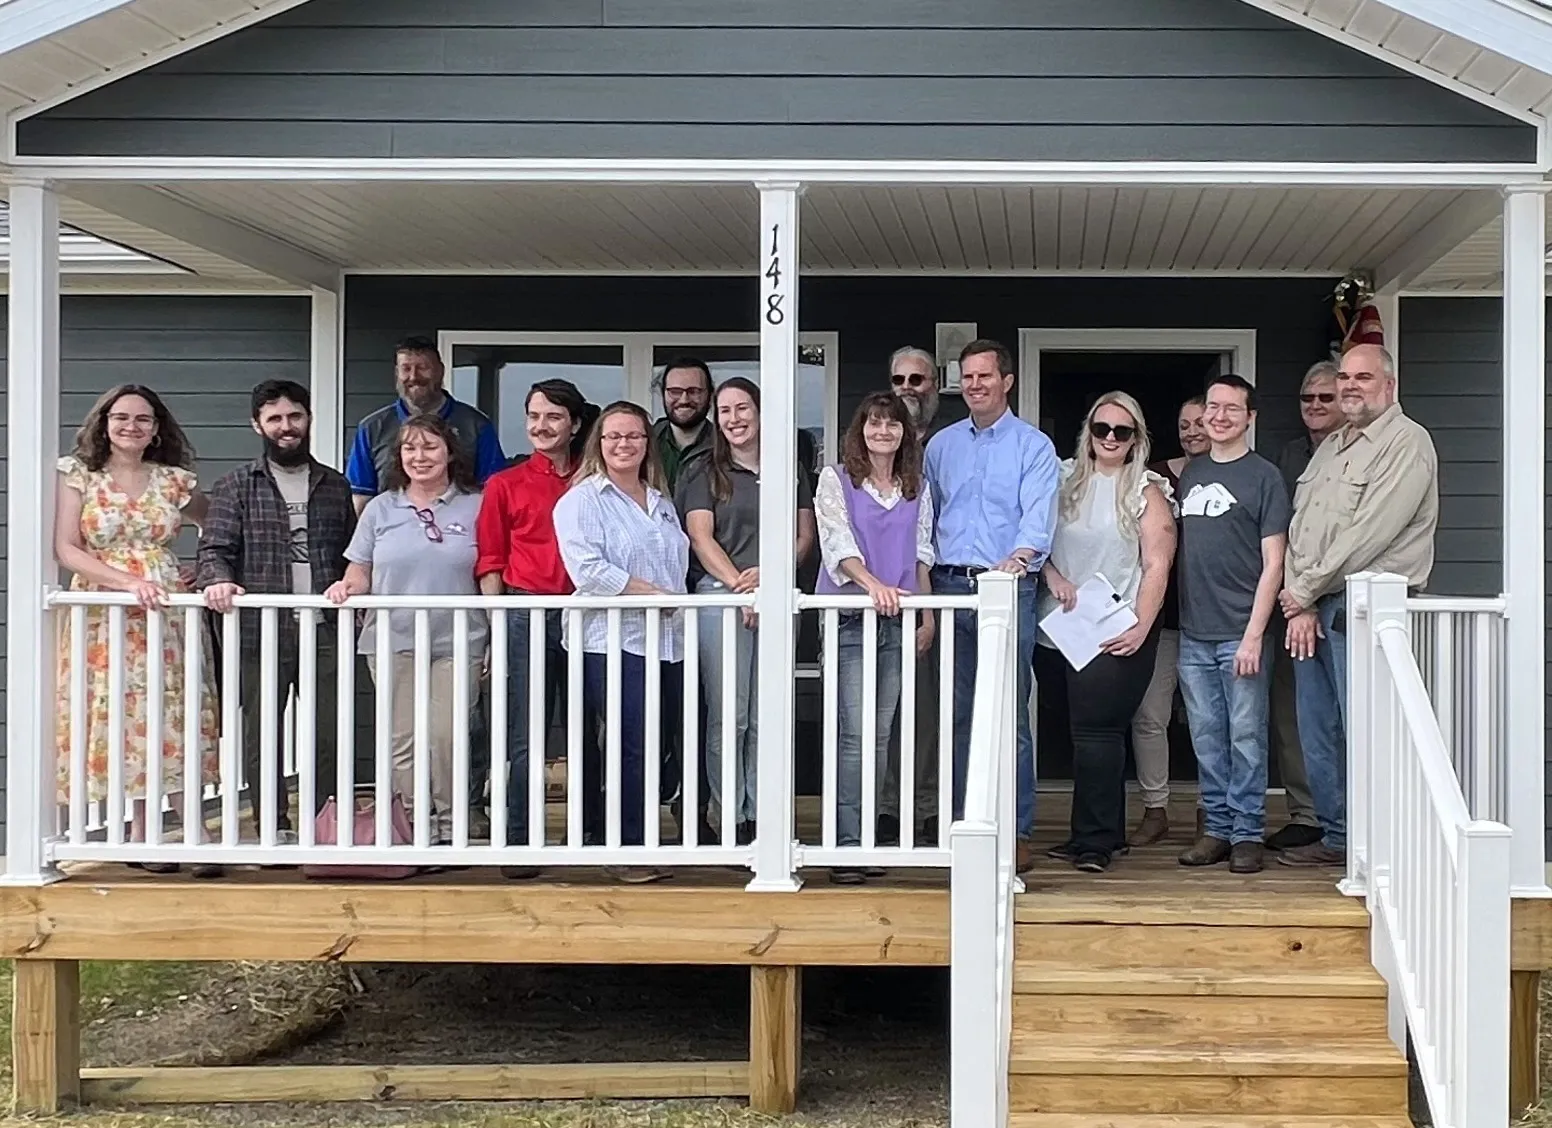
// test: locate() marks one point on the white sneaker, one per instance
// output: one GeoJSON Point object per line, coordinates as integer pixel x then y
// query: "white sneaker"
{"type": "Point", "coordinates": [285, 838]}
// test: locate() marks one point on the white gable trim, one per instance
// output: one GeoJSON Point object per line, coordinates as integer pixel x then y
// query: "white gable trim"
{"type": "Point", "coordinates": [1515, 29]}
{"type": "Point", "coordinates": [29, 21]}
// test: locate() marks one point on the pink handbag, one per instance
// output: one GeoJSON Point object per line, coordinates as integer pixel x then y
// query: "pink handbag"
{"type": "Point", "coordinates": [363, 833]}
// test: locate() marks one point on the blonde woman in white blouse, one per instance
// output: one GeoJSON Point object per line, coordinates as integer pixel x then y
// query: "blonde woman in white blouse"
{"type": "Point", "coordinates": [874, 513]}
{"type": "Point", "coordinates": [1113, 519]}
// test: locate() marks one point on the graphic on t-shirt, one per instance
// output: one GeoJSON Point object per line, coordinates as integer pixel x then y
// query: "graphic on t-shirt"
{"type": "Point", "coordinates": [296, 513]}
{"type": "Point", "coordinates": [1211, 500]}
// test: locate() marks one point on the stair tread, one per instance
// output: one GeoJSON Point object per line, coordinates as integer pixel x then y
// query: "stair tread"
{"type": "Point", "coordinates": [1281, 908]}
{"type": "Point", "coordinates": [1034, 977]}
{"type": "Point", "coordinates": [1187, 1120]}
{"type": "Point", "coordinates": [1123, 1054]}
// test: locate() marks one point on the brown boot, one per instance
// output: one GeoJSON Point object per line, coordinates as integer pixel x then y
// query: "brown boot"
{"type": "Point", "coordinates": [1247, 857]}
{"type": "Point", "coordinates": [1201, 822]}
{"type": "Point", "coordinates": [1205, 851]}
{"type": "Point", "coordinates": [1154, 826]}
{"type": "Point", "coordinates": [1024, 855]}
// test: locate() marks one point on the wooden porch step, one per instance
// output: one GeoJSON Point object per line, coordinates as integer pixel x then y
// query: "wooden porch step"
{"type": "Point", "coordinates": [1128, 1120]}
{"type": "Point", "coordinates": [1247, 949]}
{"type": "Point", "coordinates": [1304, 1052]}
{"type": "Point", "coordinates": [1274, 907]}
{"type": "Point", "coordinates": [1223, 1019]}
{"type": "Point", "coordinates": [1148, 1095]}
{"type": "Point", "coordinates": [1040, 978]}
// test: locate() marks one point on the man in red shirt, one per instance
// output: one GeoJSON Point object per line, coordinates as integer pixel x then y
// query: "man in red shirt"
{"type": "Point", "coordinates": [518, 553]}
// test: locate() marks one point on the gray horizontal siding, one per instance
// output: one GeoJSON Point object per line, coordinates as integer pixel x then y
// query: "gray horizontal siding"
{"type": "Point", "coordinates": [1101, 79]}
{"type": "Point", "coordinates": [203, 354]}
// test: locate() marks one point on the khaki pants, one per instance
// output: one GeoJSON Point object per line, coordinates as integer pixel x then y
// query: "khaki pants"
{"type": "Point", "coordinates": [439, 736]}
{"type": "Point", "coordinates": [1286, 749]}
{"type": "Point", "coordinates": [1150, 727]}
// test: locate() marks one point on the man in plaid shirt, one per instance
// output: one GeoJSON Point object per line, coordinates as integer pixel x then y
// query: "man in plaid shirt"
{"type": "Point", "coordinates": [279, 525]}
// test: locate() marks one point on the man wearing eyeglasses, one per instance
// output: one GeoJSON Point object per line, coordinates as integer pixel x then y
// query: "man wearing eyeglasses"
{"type": "Point", "coordinates": [1319, 412]}
{"type": "Point", "coordinates": [913, 377]}
{"type": "Point", "coordinates": [682, 435]}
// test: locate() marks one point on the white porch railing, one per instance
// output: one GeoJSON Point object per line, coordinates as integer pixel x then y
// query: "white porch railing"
{"type": "Point", "coordinates": [93, 817]}
{"type": "Point", "coordinates": [1436, 878]}
{"type": "Point", "coordinates": [983, 881]}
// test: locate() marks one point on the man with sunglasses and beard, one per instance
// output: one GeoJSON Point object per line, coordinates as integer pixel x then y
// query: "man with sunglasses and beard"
{"type": "Point", "coordinates": [279, 526]}
{"type": "Point", "coordinates": [1319, 412]}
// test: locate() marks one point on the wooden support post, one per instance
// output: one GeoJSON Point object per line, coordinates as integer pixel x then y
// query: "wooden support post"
{"type": "Point", "coordinates": [46, 1035]}
{"type": "Point", "coordinates": [775, 1038]}
{"type": "Point", "coordinates": [1524, 1040]}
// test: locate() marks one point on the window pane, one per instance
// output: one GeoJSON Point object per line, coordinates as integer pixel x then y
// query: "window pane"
{"type": "Point", "coordinates": [497, 378]}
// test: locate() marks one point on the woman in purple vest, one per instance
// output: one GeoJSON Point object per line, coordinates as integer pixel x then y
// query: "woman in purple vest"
{"type": "Point", "coordinates": [874, 513]}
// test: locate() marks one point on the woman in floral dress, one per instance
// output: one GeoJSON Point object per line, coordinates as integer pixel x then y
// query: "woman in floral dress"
{"type": "Point", "coordinates": [125, 493]}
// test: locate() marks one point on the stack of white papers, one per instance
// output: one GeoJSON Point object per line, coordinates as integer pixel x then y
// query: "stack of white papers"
{"type": "Point", "coordinates": [1100, 615]}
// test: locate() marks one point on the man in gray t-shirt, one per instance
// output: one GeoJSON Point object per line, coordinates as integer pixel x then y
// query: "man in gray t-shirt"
{"type": "Point", "coordinates": [1234, 514]}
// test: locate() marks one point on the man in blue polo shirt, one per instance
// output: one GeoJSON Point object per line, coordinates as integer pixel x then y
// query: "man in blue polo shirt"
{"type": "Point", "coordinates": [418, 375]}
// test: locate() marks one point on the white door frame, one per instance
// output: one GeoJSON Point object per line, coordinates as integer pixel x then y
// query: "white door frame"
{"type": "Point", "coordinates": [636, 351]}
{"type": "Point", "coordinates": [1238, 345]}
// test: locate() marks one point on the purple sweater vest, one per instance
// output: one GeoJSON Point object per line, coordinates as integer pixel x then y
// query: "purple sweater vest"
{"type": "Point", "coordinates": [887, 538]}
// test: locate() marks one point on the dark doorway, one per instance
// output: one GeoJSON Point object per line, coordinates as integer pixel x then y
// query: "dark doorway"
{"type": "Point", "coordinates": [1070, 382]}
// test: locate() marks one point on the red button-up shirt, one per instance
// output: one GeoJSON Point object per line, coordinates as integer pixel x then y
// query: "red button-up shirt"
{"type": "Point", "coordinates": [516, 528]}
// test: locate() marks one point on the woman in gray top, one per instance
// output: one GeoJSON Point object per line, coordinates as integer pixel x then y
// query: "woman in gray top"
{"type": "Point", "coordinates": [720, 500]}
{"type": "Point", "coordinates": [417, 538]}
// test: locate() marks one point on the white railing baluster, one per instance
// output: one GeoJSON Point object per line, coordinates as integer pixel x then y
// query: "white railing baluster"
{"type": "Point", "coordinates": [421, 801]}
{"type": "Point", "coordinates": [194, 691]}
{"type": "Point", "coordinates": [499, 673]}
{"type": "Point", "coordinates": [77, 621]}
{"type": "Point", "coordinates": [868, 727]}
{"type": "Point", "coordinates": [538, 726]}
{"type": "Point", "coordinates": [155, 698]}
{"type": "Point", "coordinates": [230, 786]}
{"type": "Point", "coordinates": [730, 793]}
{"type": "Point", "coordinates": [691, 690]}
{"type": "Point", "coordinates": [344, 728]}
{"type": "Point", "coordinates": [116, 656]}
{"type": "Point", "coordinates": [613, 690]}
{"type": "Point", "coordinates": [462, 692]}
{"type": "Point", "coordinates": [574, 830]}
{"type": "Point", "coordinates": [830, 787]}
{"type": "Point", "coordinates": [947, 704]}
{"type": "Point", "coordinates": [651, 792]}
{"type": "Point", "coordinates": [384, 790]}
{"type": "Point", "coordinates": [264, 812]}
{"type": "Point", "coordinates": [306, 714]}
{"type": "Point", "coordinates": [906, 720]}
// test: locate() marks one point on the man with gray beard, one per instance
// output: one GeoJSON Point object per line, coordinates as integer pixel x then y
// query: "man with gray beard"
{"type": "Point", "coordinates": [913, 376]}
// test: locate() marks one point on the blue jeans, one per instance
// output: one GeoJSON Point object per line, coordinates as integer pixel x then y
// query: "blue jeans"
{"type": "Point", "coordinates": [1228, 717]}
{"type": "Point", "coordinates": [949, 583]}
{"type": "Point", "coordinates": [848, 821]}
{"type": "Point", "coordinates": [554, 706]}
{"type": "Point", "coordinates": [739, 745]}
{"type": "Point", "coordinates": [1320, 691]}
{"type": "Point", "coordinates": [632, 691]}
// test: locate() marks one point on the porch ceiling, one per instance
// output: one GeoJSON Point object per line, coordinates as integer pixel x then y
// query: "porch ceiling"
{"type": "Point", "coordinates": [537, 228]}
{"type": "Point", "coordinates": [1476, 264]}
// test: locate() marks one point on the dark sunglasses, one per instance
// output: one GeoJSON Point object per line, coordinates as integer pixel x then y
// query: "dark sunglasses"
{"type": "Point", "coordinates": [428, 522]}
{"type": "Point", "coordinates": [1121, 431]}
{"type": "Point", "coordinates": [1317, 397]}
{"type": "Point", "coordinates": [915, 380]}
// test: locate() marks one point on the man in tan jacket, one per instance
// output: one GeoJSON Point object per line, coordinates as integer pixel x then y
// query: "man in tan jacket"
{"type": "Point", "coordinates": [1367, 502]}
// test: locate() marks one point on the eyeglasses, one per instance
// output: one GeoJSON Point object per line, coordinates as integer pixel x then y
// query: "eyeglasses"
{"type": "Point", "coordinates": [1317, 397]}
{"type": "Point", "coordinates": [625, 436]}
{"type": "Point", "coordinates": [1121, 431]}
{"type": "Point", "coordinates": [684, 393]}
{"type": "Point", "coordinates": [428, 522]}
{"type": "Point", "coordinates": [914, 380]}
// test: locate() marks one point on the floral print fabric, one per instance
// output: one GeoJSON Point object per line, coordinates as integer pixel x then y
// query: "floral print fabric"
{"type": "Point", "coordinates": [135, 535]}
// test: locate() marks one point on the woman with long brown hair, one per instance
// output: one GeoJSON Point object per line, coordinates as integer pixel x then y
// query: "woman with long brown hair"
{"type": "Point", "coordinates": [417, 538]}
{"type": "Point", "coordinates": [125, 493]}
{"type": "Point", "coordinates": [619, 535]}
{"type": "Point", "coordinates": [720, 500]}
{"type": "Point", "coordinates": [874, 513]}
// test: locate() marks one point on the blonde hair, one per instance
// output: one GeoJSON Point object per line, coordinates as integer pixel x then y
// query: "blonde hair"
{"type": "Point", "coordinates": [592, 464]}
{"type": "Point", "coordinates": [1129, 483]}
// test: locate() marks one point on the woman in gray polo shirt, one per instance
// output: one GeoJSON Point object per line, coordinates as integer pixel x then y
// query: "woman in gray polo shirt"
{"type": "Point", "coordinates": [417, 538]}
{"type": "Point", "coordinates": [720, 500]}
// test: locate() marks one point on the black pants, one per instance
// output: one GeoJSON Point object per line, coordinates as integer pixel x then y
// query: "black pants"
{"type": "Point", "coordinates": [324, 733]}
{"type": "Point", "coordinates": [1102, 698]}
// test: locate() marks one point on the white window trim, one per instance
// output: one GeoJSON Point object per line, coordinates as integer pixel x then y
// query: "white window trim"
{"type": "Point", "coordinates": [637, 349]}
{"type": "Point", "coordinates": [1238, 345]}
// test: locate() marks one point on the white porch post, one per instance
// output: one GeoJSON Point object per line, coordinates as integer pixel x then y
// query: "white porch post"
{"type": "Point", "coordinates": [1524, 413]}
{"type": "Point", "coordinates": [775, 858]}
{"type": "Point", "coordinates": [328, 379]}
{"type": "Point", "coordinates": [33, 419]}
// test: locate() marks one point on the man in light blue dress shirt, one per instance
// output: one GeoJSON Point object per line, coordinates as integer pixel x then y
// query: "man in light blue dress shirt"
{"type": "Point", "coordinates": [994, 481]}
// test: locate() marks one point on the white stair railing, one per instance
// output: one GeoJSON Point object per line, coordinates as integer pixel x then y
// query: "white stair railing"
{"type": "Point", "coordinates": [982, 877]}
{"type": "Point", "coordinates": [1436, 879]}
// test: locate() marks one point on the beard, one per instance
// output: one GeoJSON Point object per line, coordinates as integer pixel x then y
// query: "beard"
{"type": "Point", "coordinates": [695, 418]}
{"type": "Point", "coordinates": [284, 455]}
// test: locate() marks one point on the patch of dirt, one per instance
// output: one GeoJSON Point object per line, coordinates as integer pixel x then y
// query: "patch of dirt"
{"type": "Point", "coordinates": [230, 1014]}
